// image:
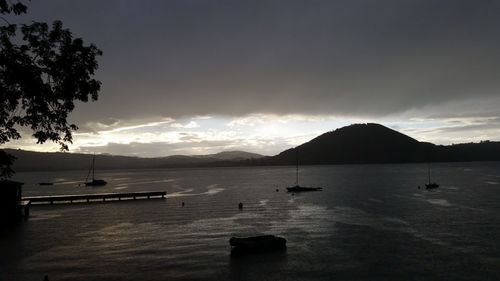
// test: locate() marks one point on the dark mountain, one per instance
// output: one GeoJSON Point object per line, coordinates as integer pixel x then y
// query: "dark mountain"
{"type": "Point", "coordinates": [374, 143]}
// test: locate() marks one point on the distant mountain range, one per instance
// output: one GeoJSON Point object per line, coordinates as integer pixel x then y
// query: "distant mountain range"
{"type": "Point", "coordinates": [355, 144]}
{"type": "Point", "coordinates": [50, 161]}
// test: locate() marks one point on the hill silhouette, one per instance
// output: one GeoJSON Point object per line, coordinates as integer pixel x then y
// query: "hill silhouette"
{"type": "Point", "coordinates": [374, 143]}
{"type": "Point", "coordinates": [354, 144]}
{"type": "Point", "coordinates": [359, 143]}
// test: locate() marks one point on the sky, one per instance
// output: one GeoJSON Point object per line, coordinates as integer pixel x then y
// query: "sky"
{"type": "Point", "coordinates": [200, 76]}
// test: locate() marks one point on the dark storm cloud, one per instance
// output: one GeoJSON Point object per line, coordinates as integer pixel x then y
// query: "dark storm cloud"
{"type": "Point", "coordinates": [370, 58]}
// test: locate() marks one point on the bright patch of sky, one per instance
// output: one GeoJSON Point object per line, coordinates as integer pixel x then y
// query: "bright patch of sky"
{"type": "Point", "coordinates": [259, 133]}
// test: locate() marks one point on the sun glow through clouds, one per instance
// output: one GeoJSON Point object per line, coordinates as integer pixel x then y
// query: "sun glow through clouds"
{"type": "Point", "coordinates": [266, 134]}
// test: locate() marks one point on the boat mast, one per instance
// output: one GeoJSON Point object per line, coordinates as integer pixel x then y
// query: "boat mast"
{"type": "Point", "coordinates": [297, 166]}
{"type": "Point", "coordinates": [93, 167]}
{"type": "Point", "coordinates": [90, 169]}
{"type": "Point", "coordinates": [429, 172]}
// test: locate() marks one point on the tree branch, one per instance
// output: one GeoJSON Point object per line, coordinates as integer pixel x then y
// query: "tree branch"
{"type": "Point", "coordinates": [5, 20]}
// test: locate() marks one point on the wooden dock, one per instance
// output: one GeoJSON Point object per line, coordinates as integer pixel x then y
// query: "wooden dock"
{"type": "Point", "coordinates": [97, 197]}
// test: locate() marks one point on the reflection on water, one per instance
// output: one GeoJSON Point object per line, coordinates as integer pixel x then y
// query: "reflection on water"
{"type": "Point", "coordinates": [369, 223]}
{"type": "Point", "coordinates": [440, 202]}
{"type": "Point", "coordinates": [491, 182]}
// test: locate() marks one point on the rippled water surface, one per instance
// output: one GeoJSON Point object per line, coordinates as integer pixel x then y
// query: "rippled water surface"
{"type": "Point", "coordinates": [370, 222]}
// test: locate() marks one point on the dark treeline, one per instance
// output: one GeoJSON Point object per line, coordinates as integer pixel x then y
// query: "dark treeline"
{"type": "Point", "coordinates": [355, 144]}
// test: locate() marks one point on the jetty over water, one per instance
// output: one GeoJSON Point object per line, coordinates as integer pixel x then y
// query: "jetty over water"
{"type": "Point", "coordinates": [97, 197]}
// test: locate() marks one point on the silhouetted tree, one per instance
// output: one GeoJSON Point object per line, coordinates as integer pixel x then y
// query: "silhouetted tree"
{"type": "Point", "coordinates": [43, 71]}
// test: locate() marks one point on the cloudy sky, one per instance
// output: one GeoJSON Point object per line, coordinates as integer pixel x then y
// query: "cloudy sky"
{"type": "Point", "coordinates": [198, 76]}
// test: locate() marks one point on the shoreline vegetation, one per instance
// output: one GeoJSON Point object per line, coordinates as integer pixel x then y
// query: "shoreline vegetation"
{"type": "Point", "coordinates": [354, 144]}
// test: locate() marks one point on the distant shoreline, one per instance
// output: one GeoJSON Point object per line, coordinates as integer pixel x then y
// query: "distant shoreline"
{"type": "Point", "coordinates": [253, 166]}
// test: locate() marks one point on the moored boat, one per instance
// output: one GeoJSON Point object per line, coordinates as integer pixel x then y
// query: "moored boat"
{"type": "Point", "coordinates": [299, 188]}
{"type": "Point", "coordinates": [430, 185]}
{"type": "Point", "coordinates": [94, 182]}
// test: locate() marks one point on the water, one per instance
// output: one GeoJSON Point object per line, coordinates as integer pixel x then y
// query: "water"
{"type": "Point", "coordinates": [370, 222]}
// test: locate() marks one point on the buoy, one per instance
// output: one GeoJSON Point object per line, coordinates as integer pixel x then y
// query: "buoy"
{"type": "Point", "coordinates": [277, 190]}
{"type": "Point", "coordinates": [182, 204]}
{"type": "Point", "coordinates": [240, 206]}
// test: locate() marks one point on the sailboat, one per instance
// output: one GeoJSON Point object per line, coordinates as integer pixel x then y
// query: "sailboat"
{"type": "Point", "coordinates": [297, 187]}
{"type": "Point", "coordinates": [430, 185]}
{"type": "Point", "coordinates": [94, 182]}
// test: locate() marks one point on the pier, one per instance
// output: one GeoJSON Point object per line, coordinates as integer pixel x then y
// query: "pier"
{"type": "Point", "coordinates": [97, 197]}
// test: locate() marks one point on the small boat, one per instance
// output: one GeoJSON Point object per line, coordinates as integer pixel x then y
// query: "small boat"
{"type": "Point", "coordinates": [430, 185]}
{"type": "Point", "coordinates": [256, 243]}
{"type": "Point", "coordinates": [297, 187]}
{"type": "Point", "coordinates": [94, 182]}
{"type": "Point", "coordinates": [45, 183]}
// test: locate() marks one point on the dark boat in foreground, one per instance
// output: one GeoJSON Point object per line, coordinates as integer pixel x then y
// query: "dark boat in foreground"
{"type": "Point", "coordinates": [256, 244]}
{"type": "Point", "coordinates": [94, 182]}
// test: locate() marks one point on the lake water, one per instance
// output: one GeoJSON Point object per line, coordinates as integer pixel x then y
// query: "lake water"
{"type": "Point", "coordinates": [370, 222]}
